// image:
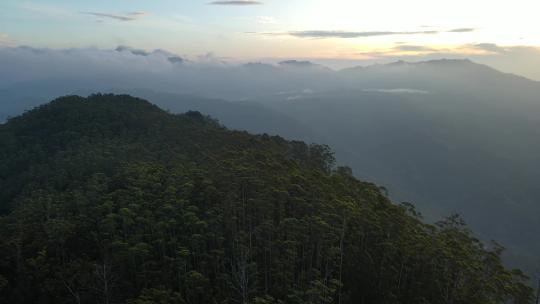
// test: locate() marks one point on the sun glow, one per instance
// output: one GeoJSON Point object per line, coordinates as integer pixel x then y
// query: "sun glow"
{"type": "Point", "coordinates": [494, 21]}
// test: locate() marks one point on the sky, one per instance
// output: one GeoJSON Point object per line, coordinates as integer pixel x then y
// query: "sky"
{"type": "Point", "coordinates": [342, 32]}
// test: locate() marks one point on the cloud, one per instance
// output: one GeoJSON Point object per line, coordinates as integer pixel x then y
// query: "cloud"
{"type": "Point", "coordinates": [238, 3]}
{"type": "Point", "coordinates": [294, 97]}
{"type": "Point", "coordinates": [172, 58]}
{"type": "Point", "coordinates": [489, 47]}
{"type": "Point", "coordinates": [320, 34]}
{"type": "Point", "coordinates": [462, 30]}
{"type": "Point", "coordinates": [175, 59]}
{"type": "Point", "coordinates": [410, 50]}
{"type": "Point", "coordinates": [351, 34]}
{"type": "Point", "coordinates": [414, 48]}
{"type": "Point", "coordinates": [5, 40]}
{"type": "Point", "coordinates": [138, 52]}
{"type": "Point", "coordinates": [94, 70]}
{"type": "Point", "coordinates": [99, 69]}
{"type": "Point", "coordinates": [86, 70]}
{"type": "Point", "coordinates": [120, 17]}
{"type": "Point", "coordinates": [397, 91]}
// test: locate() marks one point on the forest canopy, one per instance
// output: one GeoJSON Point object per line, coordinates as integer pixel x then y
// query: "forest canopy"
{"type": "Point", "coordinates": [109, 199]}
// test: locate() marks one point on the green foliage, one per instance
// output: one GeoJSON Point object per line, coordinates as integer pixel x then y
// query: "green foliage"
{"type": "Point", "coordinates": [3, 282]}
{"type": "Point", "coordinates": [157, 296]}
{"type": "Point", "coordinates": [109, 199]}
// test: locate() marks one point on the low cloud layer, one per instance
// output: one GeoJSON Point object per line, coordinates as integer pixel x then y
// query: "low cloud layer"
{"type": "Point", "coordinates": [120, 17]}
{"type": "Point", "coordinates": [397, 91]}
{"type": "Point", "coordinates": [126, 68]}
{"type": "Point", "coordinates": [172, 58]}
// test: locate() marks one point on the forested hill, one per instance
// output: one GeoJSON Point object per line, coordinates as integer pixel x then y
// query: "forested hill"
{"type": "Point", "coordinates": [109, 199]}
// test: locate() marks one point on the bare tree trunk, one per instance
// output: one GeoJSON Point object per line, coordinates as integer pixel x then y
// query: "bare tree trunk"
{"type": "Point", "coordinates": [538, 292]}
{"type": "Point", "coordinates": [72, 292]}
{"type": "Point", "coordinates": [241, 274]}
{"type": "Point", "coordinates": [341, 240]}
{"type": "Point", "coordinates": [105, 280]}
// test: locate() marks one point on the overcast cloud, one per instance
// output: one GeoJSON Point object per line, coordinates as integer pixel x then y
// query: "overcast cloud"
{"type": "Point", "coordinates": [120, 17]}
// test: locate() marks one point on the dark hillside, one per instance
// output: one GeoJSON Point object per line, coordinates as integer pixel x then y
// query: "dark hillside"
{"type": "Point", "coordinates": [109, 199]}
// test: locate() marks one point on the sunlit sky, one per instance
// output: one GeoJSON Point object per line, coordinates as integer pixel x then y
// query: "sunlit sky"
{"type": "Point", "coordinates": [243, 30]}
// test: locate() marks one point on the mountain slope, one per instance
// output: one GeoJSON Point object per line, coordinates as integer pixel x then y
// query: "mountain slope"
{"type": "Point", "coordinates": [450, 135]}
{"type": "Point", "coordinates": [110, 199]}
{"type": "Point", "coordinates": [449, 138]}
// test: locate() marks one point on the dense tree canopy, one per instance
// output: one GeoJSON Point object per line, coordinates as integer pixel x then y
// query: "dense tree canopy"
{"type": "Point", "coordinates": [109, 199]}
